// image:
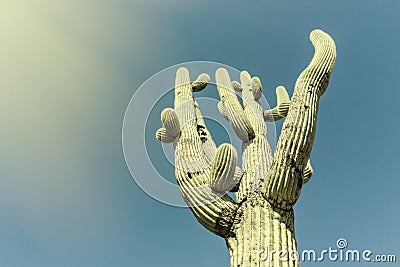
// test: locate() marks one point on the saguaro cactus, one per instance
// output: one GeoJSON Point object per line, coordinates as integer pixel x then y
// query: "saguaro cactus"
{"type": "Point", "coordinates": [259, 225]}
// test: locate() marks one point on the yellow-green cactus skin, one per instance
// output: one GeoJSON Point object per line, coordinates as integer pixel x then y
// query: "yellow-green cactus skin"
{"type": "Point", "coordinates": [261, 219]}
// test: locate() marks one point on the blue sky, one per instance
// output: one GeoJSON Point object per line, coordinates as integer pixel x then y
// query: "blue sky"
{"type": "Point", "coordinates": [70, 68]}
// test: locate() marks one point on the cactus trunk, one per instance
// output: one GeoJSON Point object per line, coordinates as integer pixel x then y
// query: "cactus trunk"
{"type": "Point", "coordinates": [260, 232]}
{"type": "Point", "coordinates": [263, 234]}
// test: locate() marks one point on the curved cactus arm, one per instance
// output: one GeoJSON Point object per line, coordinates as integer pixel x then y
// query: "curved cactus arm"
{"type": "Point", "coordinates": [171, 128]}
{"type": "Point", "coordinates": [282, 108]}
{"type": "Point", "coordinates": [283, 100]}
{"type": "Point", "coordinates": [195, 158]}
{"type": "Point", "coordinates": [171, 122]}
{"type": "Point", "coordinates": [163, 136]}
{"type": "Point", "coordinates": [308, 172]}
{"type": "Point", "coordinates": [285, 178]}
{"type": "Point", "coordinates": [201, 82]}
{"type": "Point", "coordinates": [225, 175]}
{"type": "Point", "coordinates": [232, 108]}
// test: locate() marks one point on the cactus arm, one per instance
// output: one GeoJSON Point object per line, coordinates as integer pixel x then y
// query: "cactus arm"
{"type": "Point", "coordinates": [257, 87]}
{"type": "Point", "coordinates": [198, 164]}
{"type": "Point", "coordinates": [201, 82]}
{"type": "Point", "coordinates": [251, 93]}
{"type": "Point", "coordinates": [308, 172]}
{"type": "Point", "coordinates": [224, 173]}
{"type": "Point", "coordinates": [237, 86]}
{"type": "Point", "coordinates": [284, 180]}
{"type": "Point", "coordinates": [233, 110]}
{"type": "Point", "coordinates": [162, 135]}
{"type": "Point", "coordinates": [272, 115]}
{"type": "Point", "coordinates": [283, 100]}
{"type": "Point", "coordinates": [282, 108]}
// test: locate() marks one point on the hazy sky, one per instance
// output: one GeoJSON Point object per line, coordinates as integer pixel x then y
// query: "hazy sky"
{"type": "Point", "coordinates": [69, 69]}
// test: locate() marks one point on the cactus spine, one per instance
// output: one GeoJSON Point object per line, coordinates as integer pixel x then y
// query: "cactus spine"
{"type": "Point", "coordinates": [261, 220]}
